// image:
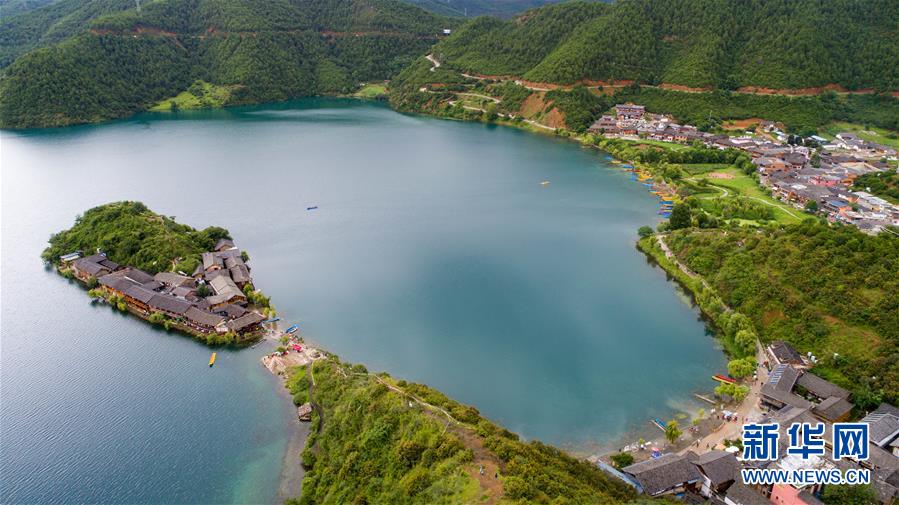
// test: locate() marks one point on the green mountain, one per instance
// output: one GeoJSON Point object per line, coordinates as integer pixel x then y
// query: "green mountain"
{"type": "Point", "coordinates": [475, 8]}
{"type": "Point", "coordinates": [26, 25]}
{"type": "Point", "coordinates": [121, 62]}
{"type": "Point", "coordinates": [14, 7]}
{"type": "Point", "coordinates": [697, 43]}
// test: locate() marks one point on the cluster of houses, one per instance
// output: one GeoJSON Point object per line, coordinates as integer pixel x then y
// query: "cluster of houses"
{"type": "Point", "coordinates": [211, 300]}
{"type": "Point", "coordinates": [792, 394]}
{"type": "Point", "coordinates": [787, 170]}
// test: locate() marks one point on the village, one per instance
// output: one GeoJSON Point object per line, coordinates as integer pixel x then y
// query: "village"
{"type": "Point", "coordinates": [704, 465]}
{"type": "Point", "coordinates": [813, 174]}
{"type": "Point", "coordinates": [212, 303]}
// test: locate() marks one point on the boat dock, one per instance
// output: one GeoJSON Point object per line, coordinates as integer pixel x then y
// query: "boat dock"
{"type": "Point", "coordinates": [658, 423]}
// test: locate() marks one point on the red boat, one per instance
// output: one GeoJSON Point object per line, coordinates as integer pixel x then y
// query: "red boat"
{"type": "Point", "coordinates": [725, 379]}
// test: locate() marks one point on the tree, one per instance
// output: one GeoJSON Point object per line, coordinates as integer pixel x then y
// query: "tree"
{"type": "Point", "coordinates": [849, 495]}
{"type": "Point", "coordinates": [92, 282]}
{"type": "Point", "coordinates": [740, 368]}
{"type": "Point", "coordinates": [739, 392]}
{"type": "Point", "coordinates": [745, 340]}
{"type": "Point", "coordinates": [672, 431]}
{"type": "Point", "coordinates": [644, 231]}
{"type": "Point", "coordinates": [203, 290]}
{"type": "Point", "coordinates": [680, 217]}
{"type": "Point", "coordinates": [811, 206]}
{"type": "Point", "coordinates": [622, 459]}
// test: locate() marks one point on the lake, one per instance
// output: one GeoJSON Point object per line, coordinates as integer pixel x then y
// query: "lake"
{"type": "Point", "coordinates": [435, 254]}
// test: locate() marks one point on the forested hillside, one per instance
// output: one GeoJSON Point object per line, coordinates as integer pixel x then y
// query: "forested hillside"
{"type": "Point", "coordinates": [123, 62]}
{"type": "Point", "coordinates": [475, 8]}
{"type": "Point", "coordinates": [379, 440]}
{"type": "Point", "coordinates": [827, 290]}
{"type": "Point", "coordinates": [698, 43]}
{"type": "Point", "coordinates": [131, 234]}
{"type": "Point", "coordinates": [40, 25]}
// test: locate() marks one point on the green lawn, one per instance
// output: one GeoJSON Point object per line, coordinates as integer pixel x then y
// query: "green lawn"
{"type": "Point", "coordinates": [871, 133]}
{"type": "Point", "coordinates": [702, 168]}
{"type": "Point", "coordinates": [671, 146]}
{"type": "Point", "coordinates": [745, 186]}
{"type": "Point", "coordinates": [371, 90]}
{"type": "Point", "coordinates": [200, 95]}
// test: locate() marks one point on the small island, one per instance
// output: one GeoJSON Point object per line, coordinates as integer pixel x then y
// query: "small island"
{"type": "Point", "coordinates": [137, 261]}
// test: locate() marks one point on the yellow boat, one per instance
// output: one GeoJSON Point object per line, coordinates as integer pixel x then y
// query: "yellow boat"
{"type": "Point", "coordinates": [544, 183]}
{"type": "Point", "coordinates": [212, 359]}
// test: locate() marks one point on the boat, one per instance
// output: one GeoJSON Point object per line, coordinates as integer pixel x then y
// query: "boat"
{"type": "Point", "coordinates": [312, 208]}
{"type": "Point", "coordinates": [212, 359]}
{"type": "Point", "coordinates": [725, 379]}
{"type": "Point", "coordinates": [544, 183]}
{"type": "Point", "coordinates": [658, 422]}
{"type": "Point", "coordinates": [272, 320]}
{"type": "Point", "coordinates": [292, 329]}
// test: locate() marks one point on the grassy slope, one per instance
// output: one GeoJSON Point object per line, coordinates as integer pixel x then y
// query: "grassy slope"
{"type": "Point", "coordinates": [387, 441]}
{"type": "Point", "coordinates": [201, 95]}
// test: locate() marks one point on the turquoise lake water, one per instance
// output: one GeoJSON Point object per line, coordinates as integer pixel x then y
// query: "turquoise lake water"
{"type": "Point", "coordinates": [435, 254]}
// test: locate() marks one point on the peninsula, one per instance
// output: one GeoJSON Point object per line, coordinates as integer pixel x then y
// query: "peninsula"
{"type": "Point", "coordinates": [389, 440]}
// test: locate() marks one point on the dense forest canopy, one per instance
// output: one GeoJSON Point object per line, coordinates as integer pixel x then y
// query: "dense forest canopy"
{"type": "Point", "coordinates": [475, 8]}
{"type": "Point", "coordinates": [131, 234]}
{"type": "Point", "coordinates": [124, 61]}
{"type": "Point", "coordinates": [699, 43]}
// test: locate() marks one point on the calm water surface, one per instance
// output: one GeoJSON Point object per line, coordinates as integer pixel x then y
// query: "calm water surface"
{"type": "Point", "coordinates": [435, 254]}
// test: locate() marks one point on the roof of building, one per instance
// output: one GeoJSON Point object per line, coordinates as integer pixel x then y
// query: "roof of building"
{"type": "Point", "coordinates": [240, 273]}
{"type": "Point", "coordinates": [233, 261]}
{"type": "Point", "coordinates": [140, 293]}
{"type": "Point", "coordinates": [785, 353]}
{"type": "Point", "coordinates": [245, 321]}
{"type": "Point", "coordinates": [718, 466]}
{"type": "Point", "coordinates": [211, 260]}
{"type": "Point", "coordinates": [658, 475]}
{"type": "Point", "coordinates": [137, 275]}
{"type": "Point", "coordinates": [783, 377]}
{"type": "Point", "coordinates": [223, 285]}
{"type": "Point", "coordinates": [224, 243]}
{"type": "Point", "coordinates": [173, 279]}
{"type": "Point", "coordinates": [183, 291]}
{"type": "Point", "coordinates": [227, 253]}
{"type": "Point", "coordinates": [169, 303]}
{"type": "Point", "coordinates": [741, 494]}
{"type": "Point", "coordinates": [820, 387]}
{"type": "Point", "coordinates": [116, 282]}
{"type": "Point", "coordinates": [91, 267]}
{"type": "Point", "coordinates": [785, 397]}
{"type": "Point", "coordinates": [152, 285]}
{"type": "Point", "coordinates": [212, 274]}
{"type": "Point", "coordinates": [203, 317]}
{"type": "Point", "coordinates": [232, 311]}
{"type": "Point", "coordinates": [884, 423]}
{"type": "Point", "coordinates": [832, 408]}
